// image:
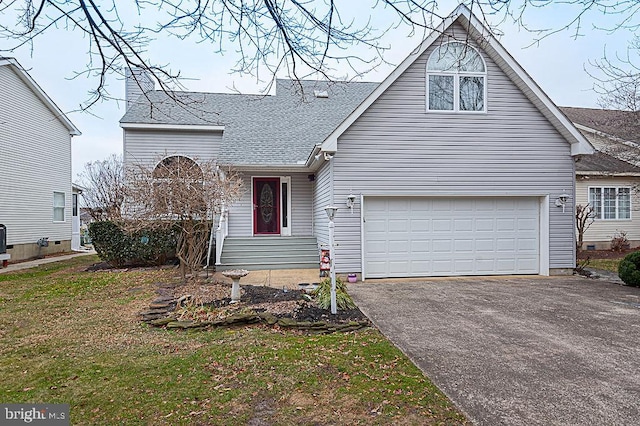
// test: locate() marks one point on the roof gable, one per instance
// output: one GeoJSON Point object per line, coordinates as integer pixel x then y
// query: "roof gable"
{"type": "Point", "coordinates": [462, 15]}
{"type": "Point", "coordinates": [37, 90]}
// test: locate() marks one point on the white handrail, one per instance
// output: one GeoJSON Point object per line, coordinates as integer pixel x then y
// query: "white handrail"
{"type": "Point", "coordinates": [221, 233]}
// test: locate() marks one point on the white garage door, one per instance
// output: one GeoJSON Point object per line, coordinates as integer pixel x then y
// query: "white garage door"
{"type": "Point", "coordinates": [405, 237]}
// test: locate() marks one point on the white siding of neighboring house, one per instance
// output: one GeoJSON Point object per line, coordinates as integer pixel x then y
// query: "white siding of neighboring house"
{"type": "Point", "coordinates": [240, 214]}
{"type": "Point", "coordinates": [35, 161]}
{"type": "Point", "coordinates": [601, 232]}
{"type": "Point", "coordinates": [322, 197]}
{"type": "Point", "coordinates": [148, 147]}
{"type": "Point", "coordinates": [397, 148]}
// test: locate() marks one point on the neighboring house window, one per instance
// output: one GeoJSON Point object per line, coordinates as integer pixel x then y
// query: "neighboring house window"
{"type": "Point", "coordinates": [456, 79]}
{"type": "Point", "coordinates": [58, 206]}
{"type": "Point", "coordinates": [610, 203]}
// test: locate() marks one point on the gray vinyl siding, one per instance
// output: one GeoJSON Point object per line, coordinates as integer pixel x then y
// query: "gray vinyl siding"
{"type": "Point", "coordinates": [396, 148]}
{"type": "Point", "coordinates": [35, 161]}
{"type": "Point", "coordinates": [322, 197]}
{"type": "Point", "coordinates": [150, 146]}
{"type": "Point", "coordinates": [240, 213]}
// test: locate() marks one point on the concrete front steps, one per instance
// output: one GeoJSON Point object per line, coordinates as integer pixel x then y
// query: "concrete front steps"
{"type": "Point", "coordinates": [256, 253]}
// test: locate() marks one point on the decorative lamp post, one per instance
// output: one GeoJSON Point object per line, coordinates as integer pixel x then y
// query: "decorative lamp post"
{"type": "Point", "coordinates": [331, 212]}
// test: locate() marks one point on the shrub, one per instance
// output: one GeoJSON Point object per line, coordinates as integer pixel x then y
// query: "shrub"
{"type": "Point", "coordinates": [629, 269]}
{"type": "Point", "coordinates": [323, 295]}
{"type": "Point", "coordinates": [143, 247]}
{"type": "Point", "coordinates": [619, 242]}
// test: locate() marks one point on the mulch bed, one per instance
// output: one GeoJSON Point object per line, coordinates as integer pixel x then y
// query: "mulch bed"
{"type": "Point", "coordinates": [198, 304]}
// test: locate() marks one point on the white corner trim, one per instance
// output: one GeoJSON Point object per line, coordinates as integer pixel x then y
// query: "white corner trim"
{"type": "Point", "coordinates": [44, 98]}
{"type": "Point", "coordinates": [151, 126]}
{"type": "Point", "coordinates": [544, 236]}
{"type": "Point", "coordinates": [362, 265]}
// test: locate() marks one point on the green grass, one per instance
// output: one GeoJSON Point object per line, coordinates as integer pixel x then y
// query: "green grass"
{"type": "Point", "coordinates": [69, 336]}
{"type": "Point", "coordinates": [606, 264]}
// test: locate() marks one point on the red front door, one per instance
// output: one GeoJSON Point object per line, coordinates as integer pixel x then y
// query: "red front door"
{"type": "Point", "coordinates": [266, 206]}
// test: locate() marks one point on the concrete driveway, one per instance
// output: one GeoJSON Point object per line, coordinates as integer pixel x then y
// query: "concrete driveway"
{"type": "Point", "coordinates": [519, 351]}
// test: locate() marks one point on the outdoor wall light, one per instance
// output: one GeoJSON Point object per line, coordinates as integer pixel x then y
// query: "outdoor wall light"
{"type": "Point", "coordinates": [561, 201]}
{"type": "Point", "coordinates": [351, 201]}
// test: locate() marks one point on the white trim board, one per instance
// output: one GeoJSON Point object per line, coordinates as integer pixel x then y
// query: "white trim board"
{"type": "Point", "coordinates": [186, 127]}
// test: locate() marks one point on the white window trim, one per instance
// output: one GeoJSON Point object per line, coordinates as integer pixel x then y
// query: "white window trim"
{"type": "Point", "coordinates": [63, 207]}
{"type": "Point", "coordinates": [456, 85]}
{"type": "Point", "coordinates": [617, 188]}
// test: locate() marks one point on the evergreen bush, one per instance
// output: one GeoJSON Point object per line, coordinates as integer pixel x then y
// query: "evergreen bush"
{"type": "Point", "coordinates": [629, 269]}
{"type": "Point", "coordinates": [144, 247]}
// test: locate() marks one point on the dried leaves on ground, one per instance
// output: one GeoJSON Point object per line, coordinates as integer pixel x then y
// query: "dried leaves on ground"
{"type": "Point", "coordinates": [71, 336]}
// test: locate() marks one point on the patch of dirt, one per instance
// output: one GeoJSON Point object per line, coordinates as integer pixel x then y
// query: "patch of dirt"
{"type": "Point", "coordinates": [603, 254]}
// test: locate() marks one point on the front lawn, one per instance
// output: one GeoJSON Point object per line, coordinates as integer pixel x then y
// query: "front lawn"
{"type": "Point", "coordinates": [606, 264]}
{"type": "Point", "coordinates": [70, 336]}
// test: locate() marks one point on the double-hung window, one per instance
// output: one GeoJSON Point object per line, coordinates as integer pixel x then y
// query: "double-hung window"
{"type": "Point", "coordinates": [610, 203]}
{"type": "Point", "coordinates": [58, 206]}
{"type": "Point", "coordinates": [456, 79]}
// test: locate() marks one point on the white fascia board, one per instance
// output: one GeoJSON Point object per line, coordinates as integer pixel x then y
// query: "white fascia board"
{"type": "Point", "coordinates": [44, 98]}
{"type": "Point", "coordinates": [606, 135]}
{"type": "Point", "coordinates": [607, 174]}
{"type": "Point", "coordinates": [152, 126]}
{"type": "Point", "coordinates": [268, 168]}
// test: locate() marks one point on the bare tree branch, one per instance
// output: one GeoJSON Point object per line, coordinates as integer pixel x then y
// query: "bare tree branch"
{"type": "Point", "coordinates": [300, 38]}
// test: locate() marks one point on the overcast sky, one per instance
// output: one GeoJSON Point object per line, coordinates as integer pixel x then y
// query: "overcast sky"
{"type": "Point", "coordinates": [556, 64]}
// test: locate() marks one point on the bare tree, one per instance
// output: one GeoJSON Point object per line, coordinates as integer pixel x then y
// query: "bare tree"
{"type": "Point", "coordinates": [181, 194]}
{"type": "Point", "coordinates": [584, 219]}
{"type": "Point", "coordinates": [299, 37]}
{"type": "Point", "coordinates": [104, 187]}
{"type": "Point", "coordinates": [617, 80]}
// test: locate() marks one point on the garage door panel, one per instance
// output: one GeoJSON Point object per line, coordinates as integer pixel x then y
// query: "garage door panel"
{"type": "Point", "coordinates": [398, 248]}
{"type": "Point", "coordinates": [463, 246]}
{"type": "Point", "coordinates": [506, 224]}
{"type": "Point", "coordinates": [527, 245]}
{"type": "Point", "coordinates": [487, 245]}
{"type": "Point", "coordinates": [455, 236]}
{"type": "Point", "coordinates": [419, 225]}
{"type": "Point", "coordinates": [441, 225]}
{"type": "Point", "coordinates": [462, 225]}
{"type": "Point", "coordinates": [485, 225]}
{"type": "Point", "coordinates": [442, 246]}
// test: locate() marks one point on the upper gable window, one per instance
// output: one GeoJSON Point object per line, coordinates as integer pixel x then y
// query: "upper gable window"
{"type": "Point", "coordinates": [456, 79]}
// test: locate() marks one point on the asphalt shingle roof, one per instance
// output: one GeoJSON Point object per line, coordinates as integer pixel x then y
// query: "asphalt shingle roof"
{"type": "Point", "coordinates": [605, 163]}
{"type": "Point", "coordinates": [259, 130]}
{"type": "Point", "coordinates": [624, 125]}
